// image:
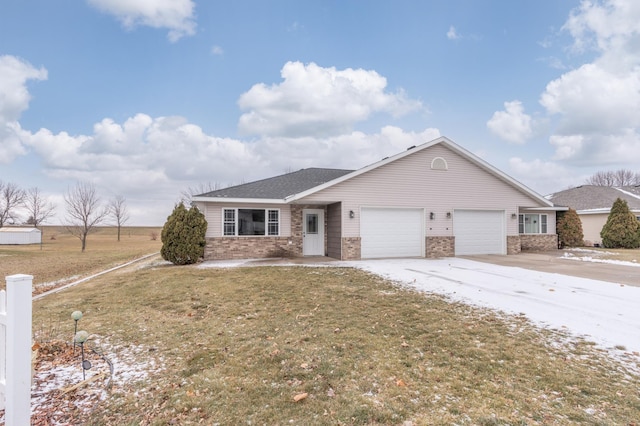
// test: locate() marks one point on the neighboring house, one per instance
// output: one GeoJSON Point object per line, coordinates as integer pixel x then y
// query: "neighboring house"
{"type": "Point", "coordinates": [593, 205]}
{"type": "Point", "coordinates": [432, 200]}
{"type": "Point", "coordinates": [14, 235]}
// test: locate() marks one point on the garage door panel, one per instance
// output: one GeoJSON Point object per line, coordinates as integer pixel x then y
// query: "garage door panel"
{"type": "Point", "coordinates": [479, 232]}
{"type": "Point", "coordinates": [389, 232]}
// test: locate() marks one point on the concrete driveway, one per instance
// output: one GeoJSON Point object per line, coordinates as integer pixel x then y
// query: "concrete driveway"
{"type": "Point", "coordinates": [553, 262]}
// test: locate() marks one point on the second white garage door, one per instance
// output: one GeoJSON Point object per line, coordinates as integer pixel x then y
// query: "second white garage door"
{"type": "Point", "coordinates": [389, 232]}
{"type": "Point", "coordinates": [479, 232]}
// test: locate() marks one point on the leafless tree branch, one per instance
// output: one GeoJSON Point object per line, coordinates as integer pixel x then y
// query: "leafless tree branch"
{"type": "Point", "coordinates": [118, 210]}
{"type": "Point", "coordinates": [38, 208]}
{"type": "Point", "coordinates": [84, 211]}
{"type": "Point", "coordinates": [11, 197]}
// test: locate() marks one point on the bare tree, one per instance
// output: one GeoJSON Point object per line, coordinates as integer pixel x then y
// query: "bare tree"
{"type": "Point", "coordinates": [118, 210]}
{"type": "Point", "coordinates": [187, 195]}
{"type": "Point", "coordinates": [39, 208]}
{"type": "Point", "coordinates": [11, 197]}
{"type": "Point", "coordinates": [84, 211]}
{"type": "Point", "coordinates": [618, 178]}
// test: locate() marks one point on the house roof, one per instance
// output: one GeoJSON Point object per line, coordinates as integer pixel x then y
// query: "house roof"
{"type": "Point", "coordinates": [18, 230]}
{"type": "Point", "coordinates": [279, 187]}
{"type": "Point", "coordinates": [441, 140]}
{"type": "Point", "coordinates": [294, 186]}
{"type": "Point", "coordinates": [594, 198]}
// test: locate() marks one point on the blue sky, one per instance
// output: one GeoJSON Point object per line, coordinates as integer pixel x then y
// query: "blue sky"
{"type": "Point", "coordinates": [146, 98]}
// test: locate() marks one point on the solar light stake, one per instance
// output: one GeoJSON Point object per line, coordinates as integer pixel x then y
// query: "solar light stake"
{"type": "Point", "coordinates": [75, 315]}
{"type": "Point", "coordinates": [80, 338]}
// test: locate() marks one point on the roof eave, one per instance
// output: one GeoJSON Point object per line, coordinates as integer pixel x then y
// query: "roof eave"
{"type": "Point", "coordinates": [239, 200]}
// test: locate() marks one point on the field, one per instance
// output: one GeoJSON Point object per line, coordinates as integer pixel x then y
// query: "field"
{"type": "Point", "coordinates": [307, 346]}
{"type": "Point", "coordinates": [59, 260]}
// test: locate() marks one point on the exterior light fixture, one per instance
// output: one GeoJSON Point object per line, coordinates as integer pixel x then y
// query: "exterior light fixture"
{"type": "Point", "coordinates": [432, 215]}
{"type": "Point", "coordinates": [448, 215]}
{"type": "Point", "coordinates": [513, 215]}
{"type": "Point", "coordinates": [352, 214]}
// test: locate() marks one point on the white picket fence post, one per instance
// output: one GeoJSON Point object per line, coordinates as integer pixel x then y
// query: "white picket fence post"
{"type": "Point", "coordinates": [15, 349]}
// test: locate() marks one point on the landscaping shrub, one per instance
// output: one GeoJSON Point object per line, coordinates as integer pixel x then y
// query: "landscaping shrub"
{"type": "Point", "coordinates": [569, 228]}
{"type": "Point", "coordinates": [622, 227]}
{"type": "Point", "coordinates": [183, 236]}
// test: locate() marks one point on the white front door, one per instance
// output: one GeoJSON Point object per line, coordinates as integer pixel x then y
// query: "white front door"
{"type": "Point", "coordinates": [313, 232]}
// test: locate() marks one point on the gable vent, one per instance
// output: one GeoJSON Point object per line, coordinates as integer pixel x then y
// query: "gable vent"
{"type": "Point", "coordinates": [439, 163]}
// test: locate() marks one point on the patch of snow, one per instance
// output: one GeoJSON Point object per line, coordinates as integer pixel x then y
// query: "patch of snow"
{"type": "Point", "coordinates": [570, 256]}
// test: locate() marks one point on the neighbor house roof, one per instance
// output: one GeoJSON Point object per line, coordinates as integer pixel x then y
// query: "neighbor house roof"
{"type": "Point", "coordinates": [594, 198]}
{"type": "Point", "coordinates": [279, 187]}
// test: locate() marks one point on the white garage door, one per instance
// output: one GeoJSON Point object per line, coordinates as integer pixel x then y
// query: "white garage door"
{"type": "Point", "coordinates": [389, 232]}
{"type": "Point", "coordinates": [479, 232]}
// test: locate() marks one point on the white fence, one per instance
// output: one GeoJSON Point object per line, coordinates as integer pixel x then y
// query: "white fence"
{"type": "Point", "coordinates": [15, 350]}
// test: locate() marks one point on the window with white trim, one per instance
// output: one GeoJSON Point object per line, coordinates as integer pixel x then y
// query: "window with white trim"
{"type": "Point", "coordinates": [245, 222]}
{"type": "Point", "coordinates": [532, 223]}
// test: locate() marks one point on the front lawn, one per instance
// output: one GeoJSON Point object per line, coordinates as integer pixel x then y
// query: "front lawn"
{"type": "Point", "coordinates": [240, 346]}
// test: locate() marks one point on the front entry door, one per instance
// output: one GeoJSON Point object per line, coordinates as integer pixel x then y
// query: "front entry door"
{"type": "Point", "coordinates": [313, 232]}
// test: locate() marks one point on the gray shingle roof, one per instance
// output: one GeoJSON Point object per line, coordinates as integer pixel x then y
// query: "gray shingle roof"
{"type": "Point", "coordinates": [587, 197]}
{"type": "Point", "coordinates": [280, 187]}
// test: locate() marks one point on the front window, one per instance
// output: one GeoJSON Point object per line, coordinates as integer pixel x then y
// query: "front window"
{"type": "Point", "coordinates": [532, 223]}
{"type": "Point", "coordinates": [251, 222]}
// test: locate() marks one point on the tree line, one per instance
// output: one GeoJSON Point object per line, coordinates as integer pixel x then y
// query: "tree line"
{"type": "Point", "coordinates": [617, 178]}
{"type": "Point", "coordinates": [84, 209]}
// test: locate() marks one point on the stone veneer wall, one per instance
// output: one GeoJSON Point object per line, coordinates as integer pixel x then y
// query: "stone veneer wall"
{"type": "Point", "coordinates": [440, 247]}
{"type": "Point", "coordinates": [219, 248]}
{"type": "Point", "coordinates": [351, 248]}
{"type": "Point", "coordinates": [539, 242]}
{"type": "Point", "coordinates": [513, 244]}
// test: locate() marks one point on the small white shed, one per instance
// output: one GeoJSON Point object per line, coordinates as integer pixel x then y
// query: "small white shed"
{"type": "Point", "coordinates": [12, 235]}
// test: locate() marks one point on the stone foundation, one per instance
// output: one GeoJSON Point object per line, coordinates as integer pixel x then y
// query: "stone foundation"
{"type": "Point", "coordinates": [219, 248]}
{"type": "Point", "coordinates": [538, 242]}
{"type": "Point", "coordinates": [351, 248]}
{"type": "Point", "coordinates": [513, 244]}
{"type": "Point", "coordinates": [440, 247]}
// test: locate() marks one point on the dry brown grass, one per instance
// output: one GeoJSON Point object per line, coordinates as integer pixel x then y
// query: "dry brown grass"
{"type": "Point", "coordinates": [239, 344]}
{"type": "Point", "coordinates": [60, 260]}
{"type": "Point", "coordinates": [627, 255]}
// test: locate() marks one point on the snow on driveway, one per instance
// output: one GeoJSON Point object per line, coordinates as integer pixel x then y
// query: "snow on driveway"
{"type": "Point", "coordinates": [605, 313]}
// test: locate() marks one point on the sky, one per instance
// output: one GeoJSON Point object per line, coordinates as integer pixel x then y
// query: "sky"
{"type": "Point", "coordinates": [605, 313]}
{"type": "Point", "coordinates": [147, 98]}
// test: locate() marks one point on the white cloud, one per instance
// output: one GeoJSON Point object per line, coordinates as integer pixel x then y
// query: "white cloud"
{"type": "Point", "coordinates": [544, 177]}
{"type": "Point", "coordinates": [610, 27]}
{"type": "Point", "coordinates": [176, 15]}
{"type": "Point", "coordinates": [513, 124]}
{"type": "Point", "coordinates": [595, 106]}
{"type": "Point", "coordinates": [217, 50]}
{"type": "Point", "coordinates": [14, 74]}
{"type": "Point", "coordinates": [155, 158]}
{"type": "Point", "coordinates": [452, 34]}
{"type": "Point", "coordinates": [14, 99]}
{"type": "Point", "coordinates": [317, 101]}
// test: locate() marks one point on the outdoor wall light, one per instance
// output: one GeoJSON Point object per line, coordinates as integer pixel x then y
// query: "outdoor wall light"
{"type": "Point", "coordinates": [352, 214]}
{"type": "Point", "coordinates": [513, 215]}
{"type": "Point", "coordinates": [432, 215]}
{"type": "Point", "coordinates": [448, 215]}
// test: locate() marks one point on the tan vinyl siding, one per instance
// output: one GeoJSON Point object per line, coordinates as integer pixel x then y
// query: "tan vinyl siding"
{"type": "Point", "coordinates": [592, 225]}
{"type": "Point", "coordinates": [213, 214]}
{"type": "Point", "coordinates": [334, 231]}
{"type": "Point", "coordinates": [410, 182]}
